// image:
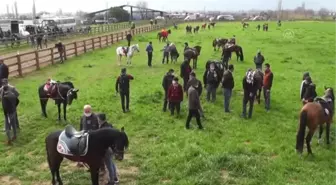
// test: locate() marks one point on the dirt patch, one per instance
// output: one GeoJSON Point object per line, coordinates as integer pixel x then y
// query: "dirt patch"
{"type": "Point", "coordinates": [247, 142]}
{"type": "Point", "coordinates": [41, 183]}
{"type": "Point", "coordinates": [30, 155]}
{"type": "Point", "coordinates": [225, 175]}
{"type": "Point", "coordinates": [44, 166]}
{"type": "Point", "coordinates": [8, 180]}
{"type": "Point", "coordinates": [129, 171]}
{"type": "Point", "coordinates": [274, 156]}
{"type": "Point", "coordinates": [166, 181]}
{"type": "Point", "coordinates": [127, 157]}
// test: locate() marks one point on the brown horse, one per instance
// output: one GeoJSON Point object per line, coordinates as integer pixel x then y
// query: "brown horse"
{"type": "Point", "coordinates": [217, 43]}
{"type": "Point", "coordinates": [204, 26]}
{"type": "Point", "coordinates": [192, 53]}
{"type": "Point", "coordinates": [238, 50]}
{"type": "Point", "coordinates": [313, 115]}
{"type": "Point", "coordinates": [259, 76]}
{"type": "Point", "coordinates": [163, 36]}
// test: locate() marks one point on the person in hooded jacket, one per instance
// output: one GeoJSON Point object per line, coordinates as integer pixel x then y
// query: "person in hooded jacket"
{"type": "Point", "coordinates": [250, 90]}
{"type": "Point", "coordinates": [304, 84]}
{"type": "Point", "coordinates": [175, 96]}
{"type": "Point", "coordinates": [166, 83]}
{"type": "Point", "coordinates": [309, 92]}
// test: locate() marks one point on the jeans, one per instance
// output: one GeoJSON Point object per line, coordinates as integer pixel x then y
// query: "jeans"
{"type": "Point", "coordinates": [150, 57]}
{"type": "Point", "coordinates": [250, 100]}
{"type": "Point", "coordinates": [173, 106]}
{"type": "Point", "coordinates": [110, 167]}
{"type": "Point", "coordinates": [211, 90]}
{"type": "Point", "coordinates": [10, 123]}
{"type": "Point", "coordinates": [194, 113]}
{"type": "Point", "coordinates": [267, 97]}
{"type": "Point", "coordinates": [227, 96]}
{"type": "Point", "coordinates": [123, 96]}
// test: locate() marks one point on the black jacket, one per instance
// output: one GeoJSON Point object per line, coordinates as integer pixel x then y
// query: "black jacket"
{"type": "Point", "coordinates": [310, 92]}
{"type": "Point", "coordinates": [89, 123]}
{"type": "Point", "coordinates": [210, 78]}
{"type": "Point", "coordinates": [199, 88]}
{"type": "Point", "coordinates": [4, 71]}
{"type": "Point", "coordinates": [185, 70]}
{"type": "Point", "coordinates": [167, 81]}
{"type": "Point", "coordinates": [259, 60]}
{"type": "Point", "coordinates": [122, 83]}
{"type": "Point", "coordinates": [249, 88]}
{"type": "Point", "coordinates": [129, 36]}
{"type": "Point", "coordinates": [228, 81]}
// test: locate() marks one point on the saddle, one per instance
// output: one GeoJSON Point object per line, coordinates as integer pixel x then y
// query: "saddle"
{"type": "Point", "coordinates": [325, 105]}
{"type": "Point", "coordinates": [51, 89]}
{"type": "Point", "coordinates": [72, 142]}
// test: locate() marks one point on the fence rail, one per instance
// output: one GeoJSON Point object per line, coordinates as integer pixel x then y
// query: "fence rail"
{"type": "Point", "coordinates": [28, 62]}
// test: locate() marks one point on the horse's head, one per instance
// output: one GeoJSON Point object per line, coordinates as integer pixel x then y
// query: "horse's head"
{"type": "Point", "coordinates": [329, 93]}
{"type": "Point", "coordinates": [136, 47]}
{"type": "Point", "coordinates": [120, 145]}
{"type": "Point", "coordinates": [198, 49]}
{"type": "Point", "coordinates": [72, 95]}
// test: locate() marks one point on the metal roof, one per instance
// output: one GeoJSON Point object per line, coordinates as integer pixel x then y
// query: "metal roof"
{"type": "Point", "coordinates": [122, 6]}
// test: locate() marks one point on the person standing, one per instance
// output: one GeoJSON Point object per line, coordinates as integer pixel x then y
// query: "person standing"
{"type": "Point", "coordinates": [193, 80]}
{"type": "Point", "coordinates": [149, 50]}
{"type": "Point", "coordinates": [175, 96]}
{"type": "Point", "coordinates": [113, 179]}
{"type": "Point", "coordinates": [194, 106]}
{"type": "Point", "coordinates": [267, 85]}
{"type": "Point", "coordinates": [4, 72]}
{"type": "Point", "coordinates": [259, 60]}
{"type": "Point", "coordinates": [226, 56]}
{"type": "Point", "coordinates": [185, 73]}
{"type": "Point", "coordinates": [17, 94]}
{"type": "Point", "coordinates": [129, 38]}
{"type": "Point", "coordinates": [250, 89]}
{"type": "Point", "coordinates": [228, 85]}
{"type": "Point", "coordinates": [61, 49]}
{"type": "Point", "coordinates": [166, 83]}
{"type": "Point", "coordinates": [303, 84]}
{"type": "Point", "coordinates": [166, 50]}
{"type": "Point", "coordinates": [210, 79]}
{"type": "Point", "coordinates": [89, 120]}
{"type": "Point", "coordinates": [123, 87]}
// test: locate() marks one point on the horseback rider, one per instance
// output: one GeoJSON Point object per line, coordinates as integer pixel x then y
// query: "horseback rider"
{"type": "Point", "coordinates": [309, 92]}
{"type": "Point", "coordinates": [233, 40]}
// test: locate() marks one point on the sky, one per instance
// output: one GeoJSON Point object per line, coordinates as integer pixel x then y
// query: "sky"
{"type": "Point", "coordinates": [25, 6]}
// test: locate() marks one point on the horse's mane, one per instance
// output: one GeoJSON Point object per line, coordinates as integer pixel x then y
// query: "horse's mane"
{"type": "Point", "coordinates": [70, 84]}
{"type": "Point", "coordinates": [111, 132]}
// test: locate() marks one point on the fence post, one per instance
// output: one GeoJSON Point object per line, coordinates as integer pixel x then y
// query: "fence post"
{"type": "Point", "coordinates": [75, 45]}
{"type": "Point", "coordinates": [117, 37]}
{"type": "Point", "coordinates": [52, 55]}
{"type": "Point", "coordinates": [19, 64]}
{"type": "Point", "coordinates": [107, 42]}
{"type": "Point", "coordinates": [122, 35]}
{"type": "Point", "coordinates": [112, 38]}
{"type": "Point", "coordinates": [37, 60]}
{"type": "Point", "coordinates": [93, 44]}
{"type": "Point", "coordinates": [84, 46]}
{"type": "Point", "coordinates": [65, 53]}
{"type": "Point", "coordinates": [100, 44]}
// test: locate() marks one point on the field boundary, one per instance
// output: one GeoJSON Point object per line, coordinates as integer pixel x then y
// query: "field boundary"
{"type": "Point", "coordinates": [25, 63]}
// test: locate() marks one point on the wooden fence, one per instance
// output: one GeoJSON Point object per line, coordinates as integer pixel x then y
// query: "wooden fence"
{"type": "Point", "coordinates": [25, 63]}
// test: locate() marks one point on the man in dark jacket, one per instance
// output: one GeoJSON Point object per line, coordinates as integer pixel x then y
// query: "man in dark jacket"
{"type": "Point", "coordinates": [309, 92]}
{"type": "Point", "coordinates": [194, 106]}
{"type": "Point", "coordinates": [194, 80]}
{"type": "Point", "coordinates": [166, 82]}
{"type": "Point", "coordinates": [210, 79]}
{"type": "Point", "coordinates": [9, 103]}
{"type": "Point", "coordinates": [185, 72]}
{"type": "Point", "coordinates": [4, 72]}
{"type": "Point", "coordinates": [123, 87]}
{"type": "Point", "coordinates": [149, 50]}
{"type": "Point", "coordinates": [89, 120]}
{"type": "Point", "coordinates": [61, 48]}
{"type": "Point", "coordinates": [129, 38]}
{"type": "Point", "coordinates": [304, 84]}
{"type": "Point", "coordinates": [12, 89]}
{"type": "Point", "coordinates": [228, 85]}
{"type": "Point", "coordinates": [267, 85]}
{"type": "Point", "coordinates": [250, 89]}
{"type": "Point", "coordinates": [226, 56]}
{"type": "Point", "coordinates": [113, 179]}
{"type": "Point", "coordinates": [259, 60]}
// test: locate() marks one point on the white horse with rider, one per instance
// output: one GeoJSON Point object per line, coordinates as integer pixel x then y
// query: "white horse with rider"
{"type": "Point", "coordinates": [127, 52]}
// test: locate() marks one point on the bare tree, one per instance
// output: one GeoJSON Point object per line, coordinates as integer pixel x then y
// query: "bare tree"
{"type": "Point", "coordinates": [323, 12]}
{"type": "Point", "coordinates": [143, 5]}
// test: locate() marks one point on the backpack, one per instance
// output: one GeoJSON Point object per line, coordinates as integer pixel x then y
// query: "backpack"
{"type": "Point", "coordinates": [250, 77]}
{"type": "Point", "coordinates": [123, 81]}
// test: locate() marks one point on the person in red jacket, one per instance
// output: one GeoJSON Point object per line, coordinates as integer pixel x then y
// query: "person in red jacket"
{"type": "Point", "coordinates": [175, 96]}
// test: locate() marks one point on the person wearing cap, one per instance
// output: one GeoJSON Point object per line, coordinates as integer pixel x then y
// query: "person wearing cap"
{"type": "Point", "coordinates": [61, 49]}
{"type": "Point", "coordinates": [194, 105]}
{"type": "Point", "coordinates": [267, 85]}
{"type": "Point", "coordinates": [113, 179]}
{"type": "Point", "coordinates": [122, 86]}
{"type": "Point", "coordinates": [259, 60]}
{"type": "Point", "coordinates": [303, 84]}
{"type": "Point", "coordinates": [4, 72]}
{"type": "Point", "coordinates": [175, 96]}
{"type": "Point", "coordinates": [228, 85]}
{"type": "Point", "coordinates": [166, 82]}
{"type": "Point", "coordinates": [149, 50]}
{"type": "Point", "coordinates": [309, 92]}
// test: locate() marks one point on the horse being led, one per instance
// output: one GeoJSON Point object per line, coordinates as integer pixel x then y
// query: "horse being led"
{"type": "Point", "coordinates": [313, 115]}
{"type": "Point", "coordinates": [89, 148]}
{"type": "Point", "coordinates": [192, 53]}
{"type": "Point", "coordinates": [219, 43]}
{"type": "Point", "coordinates": [128, 53]}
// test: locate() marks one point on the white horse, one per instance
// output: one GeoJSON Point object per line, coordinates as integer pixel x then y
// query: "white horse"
{"type": "Point", "coordinates": [121, 52]}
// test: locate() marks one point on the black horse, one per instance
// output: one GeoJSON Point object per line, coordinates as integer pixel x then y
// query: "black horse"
{"type": "Point", "coordinates": [188, 29]}
{"type": "Point", "coordinates": [89, 148]}
{"type": "Point", "coordinates": [192, 53]}
{"type": "Point", "coordinates": [213, 24]}
{"type": "Point", "coordinates": [219, 68]}
{"type": "Point", "coordinates": [238, 50]}
{"type": "Point", "coordinates": [196, 29]}
{"type": "Point", "coordinates": [220, 42]}
{"type": "Point", "coordinates": [63, 93]}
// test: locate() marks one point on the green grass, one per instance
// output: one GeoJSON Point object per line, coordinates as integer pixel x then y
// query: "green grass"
{"type": "Point", "coordinates": [231, 150]}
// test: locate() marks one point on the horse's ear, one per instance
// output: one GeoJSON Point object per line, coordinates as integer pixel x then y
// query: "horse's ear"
{"type": "Point", "coordinates": [122, 129]}
{"type": "Point", "coordinates": [75, 90]}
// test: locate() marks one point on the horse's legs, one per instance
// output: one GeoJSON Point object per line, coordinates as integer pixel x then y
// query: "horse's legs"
{"type": "Point", "coordinates": [328, 133]}
{"type": "Point", "coordinates": [237, 54]}
{"type": "Point", "coordinates": [258, 95]}
{"type": "Point", "coordinates": [320, 134]}
{"type": "Point", "coordinates": [59, 111]}
{"type": "Point", "coordinates": [308, 139]}
{"type": "Point", "coordinates": [94, 175]}
{"type": "Point", "coordinates": [54, 161]}
{"type": "Point", "coordinates": [64, 110]}
{"type": "Point", "coordinates": [44, 102]}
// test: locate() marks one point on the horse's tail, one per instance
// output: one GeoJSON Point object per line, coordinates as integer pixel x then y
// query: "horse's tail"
{"type": "Point", "coordinates": [241, 54]}
{"type": "Point", "coordinates": [301, 132]}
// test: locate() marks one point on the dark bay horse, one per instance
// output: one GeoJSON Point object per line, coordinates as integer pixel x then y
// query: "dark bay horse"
{"type": "Point", "coordinates": [259, 76]}
{"type": "Point", "coordinates": [196, 29]}
{"type": "Point", "coordinates": [213, 24]}
{"type": "Point", "coordinates": [189, 29]}
{"type": "Point", "coordinates": [192, 53]}
{"type": "Point", "coordinates": [219, 43]}
{"type": "Point", "coordinates": [313, 115]}
{"type": "Point", "coordinates": [238, 50]}
{"type": "Point", "coordinates": [89, 148]}
{"type": "Point", "coordinates": [63, 93]}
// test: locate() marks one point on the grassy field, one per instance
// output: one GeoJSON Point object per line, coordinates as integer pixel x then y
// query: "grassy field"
{"type": "Point", "coordinates": [230, 150]}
